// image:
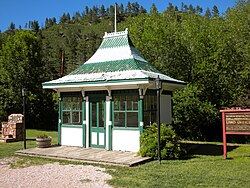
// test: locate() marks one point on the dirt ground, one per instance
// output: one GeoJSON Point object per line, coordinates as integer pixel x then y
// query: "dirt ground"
{"type": "Point", "coordinates": [51, 175]}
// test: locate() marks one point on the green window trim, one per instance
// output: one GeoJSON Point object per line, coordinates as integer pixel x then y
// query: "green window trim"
{"type": "Point", "coordinates": [126, 109]}
{"type": "Point", "coordinates": [71, 109]}
{"type": "Point", "coordinates": [127, 128]}
{"type": "Point", "coordinates": [72, 126]}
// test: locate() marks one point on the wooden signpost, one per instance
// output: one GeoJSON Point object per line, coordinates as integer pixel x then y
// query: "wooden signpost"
{"type": "Point", "coordinates": [234, 122]}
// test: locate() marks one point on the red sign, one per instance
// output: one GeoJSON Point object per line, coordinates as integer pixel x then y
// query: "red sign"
{"type": "Point", "coordinates": [236, 122]}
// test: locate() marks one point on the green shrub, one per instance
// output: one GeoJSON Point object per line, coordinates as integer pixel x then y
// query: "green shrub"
{"type": "Point", "coordinates": [42, 136]}
{"type": "Point", "coordinates": [195, 119]}
{"type": "Point", "coordinates": [169, 142]}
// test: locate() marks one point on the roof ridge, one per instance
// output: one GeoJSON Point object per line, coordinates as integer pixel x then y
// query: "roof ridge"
{"type": "Point", "coordinates": [115, 34]}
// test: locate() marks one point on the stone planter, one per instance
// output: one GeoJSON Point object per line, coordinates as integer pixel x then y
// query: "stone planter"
{"type": "Point", "coordinates": [43, 142]}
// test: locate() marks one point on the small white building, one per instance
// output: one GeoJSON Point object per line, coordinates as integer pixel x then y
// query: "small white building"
{"type": "Point", "coordinates": [107, 101]}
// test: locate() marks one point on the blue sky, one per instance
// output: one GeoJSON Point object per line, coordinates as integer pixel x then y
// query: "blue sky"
{"type": "Point", "coordinates": [22, 11]}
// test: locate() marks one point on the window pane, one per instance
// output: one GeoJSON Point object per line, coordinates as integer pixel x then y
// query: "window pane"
{"type": "Point", "coordinates": [73, 106]}
{"type": "Point", "coordinates": [116, 102]}
{"type": "Point", "coordinates": [153, 103]}
{"type": "Point", "coordinates": [135, 105]}
{"type": "Point", "coordinates": [122, 102]}
{"type": "Point", "coordinates": [119, 119]}
{"type": "Point", "coordinates": [153, 117]}
{"type": "Point", "coordinates": [75, 99]}
{"type": "Point", "coordinates": [76, 117]}
{"type": "Point", "coordinates": [94, 114]}
{"type": "Point", "coordinates": [132, 102]}
{"type": "Point", "coordinates": [71, 103]}
{"type": "Point", "coordinates": [129, 102]}
{"type": "Point", "coordinates": [132, 119]}
{"type": "Point", "coordinates": [66, 99]}
{"type": "Point", "coordinates": [65, 105]}
{"type": "Point", "coordinates": [101, 114]}
{"type": "Point", "coordinates": [146, 118]}
{"type": "Point", "coordinates": [66, 117]}
{"type": "Point", "coordinates": [148, 102]}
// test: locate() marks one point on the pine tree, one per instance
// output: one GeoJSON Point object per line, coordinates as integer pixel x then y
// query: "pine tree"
{"type": "Point", "coordinates": [121, 9]}
{"type": "Point", "coordinates": [112, 10]}
{"type": "Point", "coordinates": [170, 7]}
{"type": "Point", "coordinates": [12, 26]}
{"type": "Point", "coordinates": [185, 8]}
{"type": "Point", "coordinates": [102, 10]}
{"type": "Point", "coordinates": [76, 17]}
{"type": "Point", "coordinates": [128, 9]}
{"type": "Point", "coordinates": [191, 9]}
{"type": "Point", "coordinates": [142, 10]}
{"type": "Point", "coordinates": [46, 23]}
{"type": "Point", "coordinates": [207, 13]}
{"type": "Point", "coordinates": [215, 11]}
{"type": "Point", "coordinates": [107, 12]}
{"type": "Point", "coordinates": [87, 11]}
{"type": "Point", "coordinates": [199, 9]}
{"type": "Point", "coordinates": [96, 10]}
{"type": "Point", "coordinates": [68, 18]}
{"type": "Point", "coordinates": [182, 6]}
{"type": "Point", "coordinates": [63, 18]}
{"type": "Point", "coordinates": [35, 26]}
{"type": "Point", "coordinates": [135, 8]}
{"type": "Point", "coordinates": [153, 9]}
{"type": "Point", "coordinates": [53, 21]}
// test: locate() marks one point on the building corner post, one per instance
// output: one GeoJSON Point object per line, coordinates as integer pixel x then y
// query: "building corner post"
{"type": "Point", "coordinates": [109, 112]}
{"type": "Point", "coordinates": [59, 118]}
{"type": "Point", "coordinates": [141, 119]}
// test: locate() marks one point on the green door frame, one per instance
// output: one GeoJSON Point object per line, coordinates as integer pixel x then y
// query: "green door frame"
{"type": "Point", "coordinates": [97, 100]}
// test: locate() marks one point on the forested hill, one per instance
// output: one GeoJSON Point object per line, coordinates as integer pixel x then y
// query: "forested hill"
{"type": "Point", "coordinates": [207, 49]}
{"type": "Point", "coordinates": [70, 41]}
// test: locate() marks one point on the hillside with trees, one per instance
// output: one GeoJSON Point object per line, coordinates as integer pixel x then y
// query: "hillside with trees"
{"type": "Point", "coordinates": [207, 49]}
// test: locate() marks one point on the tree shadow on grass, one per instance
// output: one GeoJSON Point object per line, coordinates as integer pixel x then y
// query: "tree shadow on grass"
{"type": "Point", "coordinates": [205, 149]}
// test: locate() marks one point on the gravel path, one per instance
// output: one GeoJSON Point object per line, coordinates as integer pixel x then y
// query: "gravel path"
{"type": "Point", "coordinates": [52, 175]}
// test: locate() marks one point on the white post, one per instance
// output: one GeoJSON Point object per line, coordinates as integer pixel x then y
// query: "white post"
{"type": "Point", "coordinates": [107, 122]}
{"type": "Point", "coordinates": [87, 122]}
{"type": "Point", "coordinates": [115, 17]}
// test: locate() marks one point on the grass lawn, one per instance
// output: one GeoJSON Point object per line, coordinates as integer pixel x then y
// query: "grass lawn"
{"type": "Point", "coordinates": [8, 149]}
{"type": "Point", "coordinates": [196, 171]}
{"type": "Point", "coordinates": [204, 168]}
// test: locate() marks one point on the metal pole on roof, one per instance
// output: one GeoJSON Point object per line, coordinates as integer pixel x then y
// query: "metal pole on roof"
{"type": "Point", "coordinates": [115, 17]}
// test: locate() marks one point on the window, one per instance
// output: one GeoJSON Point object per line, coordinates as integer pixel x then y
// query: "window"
{"type": "Point", "coordinates": [150, 109]}
{"type": "Point", "coordinates": [72, 110]}
{"type": "Point", "coordinates": [126, 111]}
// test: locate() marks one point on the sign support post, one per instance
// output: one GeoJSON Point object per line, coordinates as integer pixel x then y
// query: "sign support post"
{"type": "Point", "coordinates": [234, 122]}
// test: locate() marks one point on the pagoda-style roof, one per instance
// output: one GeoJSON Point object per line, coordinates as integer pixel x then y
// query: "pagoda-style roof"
{"type": "Point", "coordinates": [115, 61]}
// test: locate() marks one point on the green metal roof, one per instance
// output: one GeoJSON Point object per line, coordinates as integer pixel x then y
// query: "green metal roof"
{"type": "Point", "coordinates": [112, 66]}
{"type": "Point", "coordinates": [115, 60]}
{"type": "Point", "coordinates": [116, 42]}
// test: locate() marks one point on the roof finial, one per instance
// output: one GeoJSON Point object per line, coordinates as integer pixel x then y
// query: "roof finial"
{"type": "Point", "coordinates": [115, 17]}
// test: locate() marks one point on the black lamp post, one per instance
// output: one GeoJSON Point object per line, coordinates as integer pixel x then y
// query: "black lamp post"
{"type": "Point", "coordinates": [158, 84]}
{"type": "Point", "coordinates": [24, 95]}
